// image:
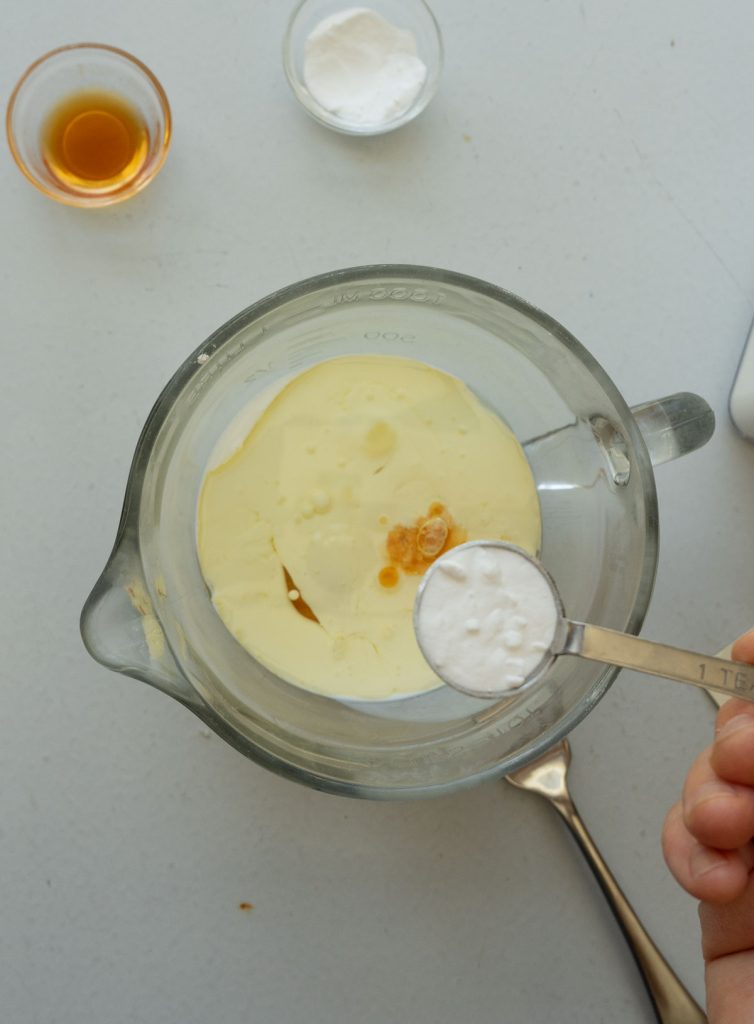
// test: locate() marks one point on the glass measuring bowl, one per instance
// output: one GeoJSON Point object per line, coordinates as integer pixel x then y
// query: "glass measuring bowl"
{"type": "Point", "coordinates": [150, 615]}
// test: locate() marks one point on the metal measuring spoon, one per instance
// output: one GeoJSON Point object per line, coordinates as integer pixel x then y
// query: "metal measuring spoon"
{"type": "Point", "coordinates": [479, 605]}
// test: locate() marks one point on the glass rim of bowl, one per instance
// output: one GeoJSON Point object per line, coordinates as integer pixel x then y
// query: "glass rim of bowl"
{"type": "Point", "coordinates": [102, 199]}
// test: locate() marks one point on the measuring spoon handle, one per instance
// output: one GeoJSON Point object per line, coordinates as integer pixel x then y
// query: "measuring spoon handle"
{"type": "Point", "coordinates": [614, 648]}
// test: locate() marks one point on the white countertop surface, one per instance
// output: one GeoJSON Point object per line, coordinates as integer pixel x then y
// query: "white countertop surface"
{"type": "Point", "coordinates": [597, 158]}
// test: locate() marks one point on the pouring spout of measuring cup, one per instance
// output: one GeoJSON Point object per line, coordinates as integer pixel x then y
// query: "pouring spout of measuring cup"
{"type": "Point", "coordinates": [490, 621]}
{"type": "Point", "coordinates": [121, 626]}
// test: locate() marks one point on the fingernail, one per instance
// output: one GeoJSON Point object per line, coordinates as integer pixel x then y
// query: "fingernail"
{"type": "Point", "coordinates": [709, 791]}
{"type": "Point", "coordinates": [703, 861]}
{"type": "Point", "coordinates": [736, 724]}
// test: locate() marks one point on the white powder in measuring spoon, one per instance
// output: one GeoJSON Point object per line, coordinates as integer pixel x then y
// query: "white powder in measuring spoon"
{"type": "Point", "coordinates": [486, 618]}
{"type": "Point", "coordinates": [361, 68]}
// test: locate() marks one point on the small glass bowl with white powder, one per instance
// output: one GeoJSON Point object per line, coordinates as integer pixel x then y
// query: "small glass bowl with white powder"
{"type": "Point", "coordinates": [363, 69]}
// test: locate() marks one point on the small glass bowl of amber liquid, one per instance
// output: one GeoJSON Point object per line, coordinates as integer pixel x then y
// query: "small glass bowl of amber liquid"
{"type": "Point", "coordinates": [89, 125]}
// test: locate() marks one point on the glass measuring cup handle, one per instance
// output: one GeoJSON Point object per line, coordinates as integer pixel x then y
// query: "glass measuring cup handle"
{"type": "Point", "coordinates": [674, 426]}
{"type": "Point", "coordinates": [121, 630]}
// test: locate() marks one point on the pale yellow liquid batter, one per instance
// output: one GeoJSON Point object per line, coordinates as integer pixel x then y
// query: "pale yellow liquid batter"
{"type": "Point", "coordinates": [307, 533]}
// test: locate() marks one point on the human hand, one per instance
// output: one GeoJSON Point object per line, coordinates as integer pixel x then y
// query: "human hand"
{"type": "Point", "coordinates": [707, 843]}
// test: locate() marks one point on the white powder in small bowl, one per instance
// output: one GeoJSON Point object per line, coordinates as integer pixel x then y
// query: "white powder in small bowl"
{"type": "Point", "coordinates": [486, 618]}
{"type": "Point", "coordinates": [361, 68]}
